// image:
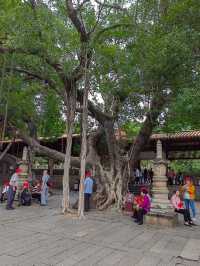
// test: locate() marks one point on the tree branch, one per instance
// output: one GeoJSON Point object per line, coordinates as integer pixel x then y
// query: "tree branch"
{"type": "Point", "coordinates": [97, 21]}
{"type": "Point", "coordinates": [72, 12]}
{"type": "Point", "coordinates": [95, 112]}
{"type": "Point", "coordinates": [43, 150]}
{"type": "Point", "coordinates": [112, 27]}
{"type": "Point", "coordinates": [6, 150]}
{"type": "Point", "coordinates": [56, 66]}
{"type": "Point", "coordinates": [51, 83]}
{"type": "Point", "coordinates": [82, 4]}
{"type": "Point", "coordinates": [114, 6]}
{"type": "Point", "coordinates": [29, 73]}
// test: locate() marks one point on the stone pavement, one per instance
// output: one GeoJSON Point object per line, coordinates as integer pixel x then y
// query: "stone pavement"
{"type": "Point", "coordinates": [42, 236]}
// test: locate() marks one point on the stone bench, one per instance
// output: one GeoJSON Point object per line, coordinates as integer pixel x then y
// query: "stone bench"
{"type": "Point", "coordinates": [160, 217]}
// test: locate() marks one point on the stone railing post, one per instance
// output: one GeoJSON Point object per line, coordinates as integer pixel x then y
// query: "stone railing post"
{"type": "Point", "coordinates": [24, 166]}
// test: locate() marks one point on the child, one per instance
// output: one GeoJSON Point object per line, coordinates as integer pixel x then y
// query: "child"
{"type": "Point", "coordinates": [4, 191]}
{"type": "Point", "coordinates": [26, 195]}
{"type": "Point", "coordinates": [128, 203]}
{"type": "Point", "coordinates": [36, 191]}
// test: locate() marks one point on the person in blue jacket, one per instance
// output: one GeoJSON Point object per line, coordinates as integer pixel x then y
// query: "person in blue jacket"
{"type": "Point", "coordinates": [88, 189]}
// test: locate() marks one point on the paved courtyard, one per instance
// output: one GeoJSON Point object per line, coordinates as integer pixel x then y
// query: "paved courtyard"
{"type": "Point", "coordinates": [43, 236]}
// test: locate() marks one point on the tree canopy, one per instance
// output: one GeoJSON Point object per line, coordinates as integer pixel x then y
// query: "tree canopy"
{"type": "Point", "coordinates": [138, 60]}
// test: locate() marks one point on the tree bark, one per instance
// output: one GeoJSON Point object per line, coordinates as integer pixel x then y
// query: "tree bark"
{"type": "Point", "coordinates": [43, 150]}
{"type": "Point", "coordinates": [108, 173]}
{"type": "Point", "coordinates": [71, 108]}
{"type": "Point", "coordinates": [5, 151]}
{"type": "Point", "coordinates": [157, 105]}
{"type": "Point", "coordinates": [83, 146]}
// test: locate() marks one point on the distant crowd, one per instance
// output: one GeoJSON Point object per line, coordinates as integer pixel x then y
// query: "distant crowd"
{"type": "Point", "coordinates": [176, 178]}
{"type": "Point", "coordinates": [143, 176]}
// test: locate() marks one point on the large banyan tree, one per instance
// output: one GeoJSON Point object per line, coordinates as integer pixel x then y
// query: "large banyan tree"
{"type": "Point", "coordinates": [99, 63]}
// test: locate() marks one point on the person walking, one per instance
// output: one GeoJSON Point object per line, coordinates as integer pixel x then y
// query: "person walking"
{"type": "Point", "coordinates": [88, 189]}
{"type": "Point", "coordinates": [44, 188]}
{"type": "Point", "coordinates": [13, 184]}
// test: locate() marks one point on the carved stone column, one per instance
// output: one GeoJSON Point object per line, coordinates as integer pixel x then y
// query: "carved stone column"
{"type": "Point", "coordinates": [24, 166]}
{"type": "Point", "coordinates": [159, 189]}
{"type": "Point", "coordinates": [161, 210]}
{"type": "Point", "coordinates": [51, 166]}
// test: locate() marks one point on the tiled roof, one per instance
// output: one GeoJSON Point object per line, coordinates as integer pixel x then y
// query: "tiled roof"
{"type": "Point", "coordinates": [194, 134]}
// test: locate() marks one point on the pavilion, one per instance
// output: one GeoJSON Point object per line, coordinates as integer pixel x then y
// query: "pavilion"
{"type": "Point", "coordinates": [175, 146]}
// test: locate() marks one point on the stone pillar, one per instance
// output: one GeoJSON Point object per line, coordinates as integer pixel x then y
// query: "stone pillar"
{"type": "Point", "coordinates": [159, 189]}
{"type": "Point", "coordinates": [51, 166]}
{"type": "Point", "coordinates": [161, 210]}
{"type": "Point", "coordinates": [24, 166]}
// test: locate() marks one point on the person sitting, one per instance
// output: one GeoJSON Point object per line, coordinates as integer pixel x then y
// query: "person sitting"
{"type": "Point", "coordinates": [36, 191]}
{"type": "Point", "coordinates": [25, 195]}
{"type": "Point", "coordinates": [128, 203]}
{"type": "Point", "coordinates": [179, 208]}
{"type": "Point", "coordinates": [138, 199]}
{"type": "Point", "coordinates": [143, 206]}
{"type": "Point", "coordinates": [4, 191]}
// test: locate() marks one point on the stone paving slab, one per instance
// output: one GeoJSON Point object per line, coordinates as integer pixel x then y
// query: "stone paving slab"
{"type": "Point", "coordinates": [191, 250]}
{"type": "Point", "coordinates": [42, 236]}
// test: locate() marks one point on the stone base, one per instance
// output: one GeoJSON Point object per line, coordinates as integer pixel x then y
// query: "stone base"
{"type": "Point", "coordinates": [162, 217]}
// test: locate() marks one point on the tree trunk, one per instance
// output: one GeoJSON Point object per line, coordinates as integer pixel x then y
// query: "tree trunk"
{"type": "Point", "coordinates": [108, 174]}
{"type": "Point", "coordinates": [71, 108]}
{"type": "Point", "coordinates": [157, 105]}
{"type": "Point", "coordinates": [3, 153]}
{"type": "Point", "coordinates": [115, 188]}
{"type": "Point", "coordinates": [30, 161]}
{"type": "Point", "coordinates": [43, 150]}
{"type": "Point", "coordinates": [83, 146]}
{"type": "Point", "coordinates": [51, 166]}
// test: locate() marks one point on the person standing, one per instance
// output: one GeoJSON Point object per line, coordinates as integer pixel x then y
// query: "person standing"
{"type": "Point", "coordinates": [88, 189]}
{"type": "Point", "coordinates": [180, 179]}
{"type": "Point", "coordinates": [191, 191]}
{"type": "Point", "coordinates": [145, 175]}
{"type": "Point", "coordinates": [44, 188]}
{"type": "Point", "coordinates": [189, 196]}
{"type": "Point", "coordinates": [186, 194]}
{"type": "Point", "coordinates": [137, 176]}
{"type": "Point", "coordinates": [13, 184]}
{"type": "Point", "coordinates": [170, 176]}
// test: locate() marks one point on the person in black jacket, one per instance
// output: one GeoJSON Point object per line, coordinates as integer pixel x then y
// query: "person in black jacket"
{"type": "Point", "coordinates": [26, 195]}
